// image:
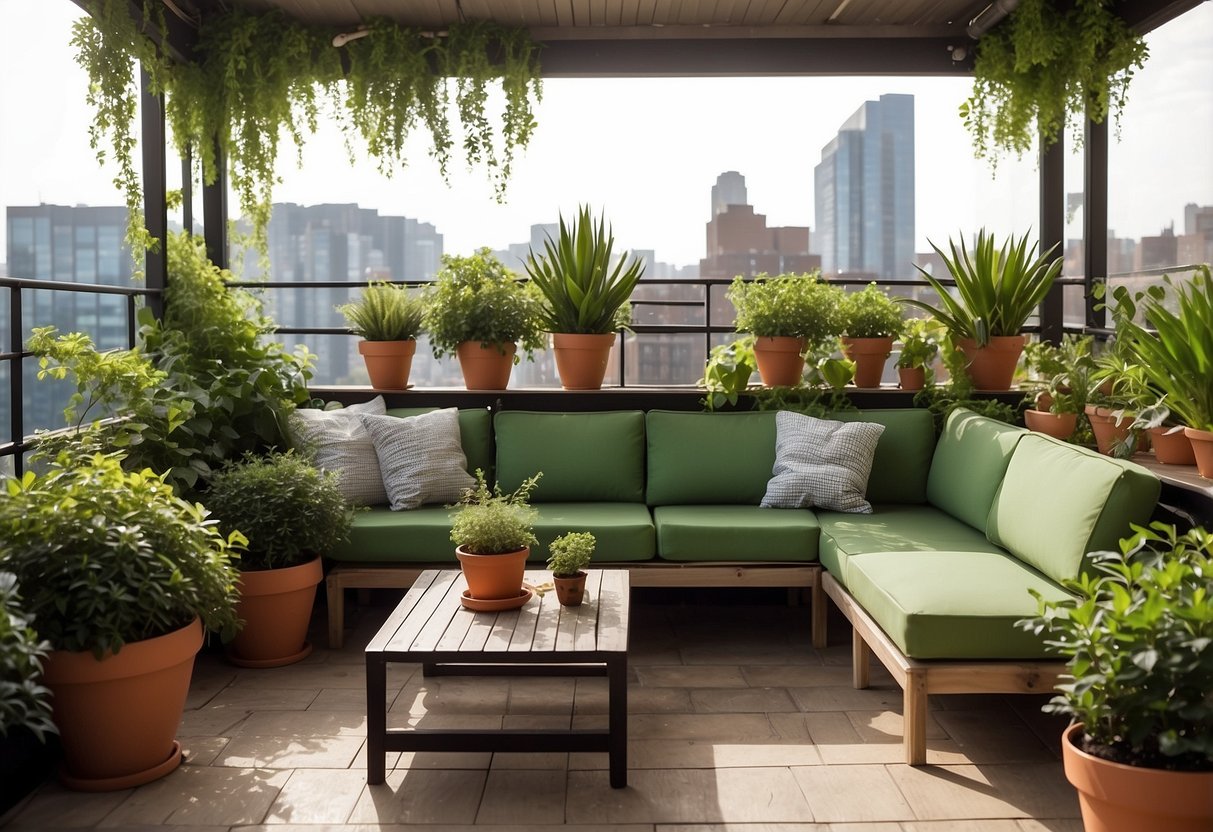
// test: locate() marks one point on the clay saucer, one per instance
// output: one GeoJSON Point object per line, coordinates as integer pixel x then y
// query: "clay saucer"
{"type": "Point", "coordinates": [495, 604]}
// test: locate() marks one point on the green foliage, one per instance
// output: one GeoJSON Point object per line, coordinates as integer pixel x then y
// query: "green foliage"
{"type": "Point", "coordinates": [385, 312]}
{"type": "Point", "coordinates": [107, 556]}
{"type": "Point", "coordinates": [23, 702]}
{"type": "Point", "coordinates": [870, 313]}
{"type": "Point", "coordinates": [1138, 638]}
{"type": "Point", "coordinates": [477, 298]}
{"type": "Point", "coordinates": [998, 290]}
{"type": "Point", "coordinates": [920, 344]}
{"type": "Point", "coordinates": [820, 402]}
{"type": "Point", "coordinates": [288, 510]}
{"type": "Point", "coordinates": [570, 553]}
{"type": "Point", "coordinates": [585, 289]}
{"type": "Point", "coordinates": [728, 372]}
{"type": "Point", "coordinates": [489, 522]}
{"type": "Point", "coordinates": [795, 305]}
{"type": "Point", "coordinates": [942, 399]}
{"type": "Point", "coordinates": [1063, 371]}
{"type": "Point", "coordinates": [1048, 66]}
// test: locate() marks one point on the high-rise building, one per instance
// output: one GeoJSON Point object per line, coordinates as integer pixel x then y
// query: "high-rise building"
{"type": "Point", "coordinates": [728, 190]}
{"type": "Point", "coordinates": [1196, 243]}
{"type": "Point", "coordinates": [864, 192]}
{"type": "Point", "coordinates": [740, 243]}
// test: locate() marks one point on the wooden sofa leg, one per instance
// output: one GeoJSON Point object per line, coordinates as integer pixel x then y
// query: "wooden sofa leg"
{"type": "Point", "coordinates": [861, 661]}
{"type": "Point", "coordinates": [914, 715]}
{"type": "Point", "coordinates": [336, 605]}
{"type": "Point", "coordinates": [817, 615]}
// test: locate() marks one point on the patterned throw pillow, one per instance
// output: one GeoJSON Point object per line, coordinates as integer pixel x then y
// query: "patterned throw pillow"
{"type": "Point", "coordinates": [821, 463]}
{"type": "Point", "coordinates": [421, 457]}
{"type": "Point", "coordinates": [340, 443]}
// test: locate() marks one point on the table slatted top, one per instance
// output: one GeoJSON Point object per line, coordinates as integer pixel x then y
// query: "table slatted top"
{"type": "Point", "coordinates": [430, 622]}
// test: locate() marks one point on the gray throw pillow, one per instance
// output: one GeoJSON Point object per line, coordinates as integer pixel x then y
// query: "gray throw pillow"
{"type": "Point", "coordinates": [821, 463]}
{"type": "Point", "coordinates": [340, 443]}
{"type": "Point", "coordinates": [421, 457]}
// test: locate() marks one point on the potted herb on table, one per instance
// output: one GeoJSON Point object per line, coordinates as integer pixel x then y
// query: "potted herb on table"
{"type": "Point", "coordinates": [388, 319]}
{"type": "Point", "coordinates": [871, 320]}
{"type": "Point", "coordinates": [493, 535]}
{"type": "Point", "coordinates": [788, 315]}
{"type": "Point", "coordinates": [568, 556]}
{"type": "Point", "coordinates": [919, 347]}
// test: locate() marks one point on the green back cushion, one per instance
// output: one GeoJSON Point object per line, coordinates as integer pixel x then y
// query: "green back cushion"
{"type": "Point", "coordinates": [698, 458]}
{"type": "Point", "coordinates": [903, 455]}
{"type": "Point", "coordinates": [970, 460]}
{"type": "Point", "coordinates": [584, 457]}
{"type": "Point", "coordinates": [1058, 502]}
{"type": "Point", "coordinates": [474, 434]}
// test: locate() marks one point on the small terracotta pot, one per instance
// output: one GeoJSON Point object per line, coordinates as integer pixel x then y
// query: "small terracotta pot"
{"type": "Point", "coordinates": [486, 368]}
{"type": "Point", "coordinates": [1202, 448]}
{"type": "Point", "coordinates": [582, 360]}
{"type": "Point", "coordinates": [493, 577]}
{"type": "Point", "coordinates": [276, 607]}
{"type": "Point", "coordinates": [1109, 432]}
{"type": "Point", "coordinates": [1058, 425]}
{"type": "Point", "coordinates": [780, 363]}
{"type": "Point", "coordinates": [388, 362]}
{"type": "Point", "coordinates": [869, 355]}
{"type": "Point", "coordinates": [912, 378]}
{"type": "Point", "coordinates": [993, 366]}
{"type": "Point", "coordinates": [570, 592]}
{"type": "Point", "coordinates": [1172, 448]}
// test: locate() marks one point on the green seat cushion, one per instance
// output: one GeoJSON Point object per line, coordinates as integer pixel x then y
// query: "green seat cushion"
{"type": "Point", "coordinates": [475, 434]}
{"type": "Point", "coordinates": [701, 458]}
{"type": "Point", "coordinates": [903, 455]}
{"type": "Point", "coordinates": [1058, 502]}
{"type": "Point", "coordinates": [622, 531]}
{"type": "Point", "coordinates": [952, 605]}
{"type": "Point", "coordinates": [970, 460]}
{"type": "Point", "coordinates": [380, 535]}
{"type": "Point", "coordinates": [594, 457]}
{"type": "Point", "coordinates": [743, 533]}
{"type": "Point", "coordinates": [893, 528]}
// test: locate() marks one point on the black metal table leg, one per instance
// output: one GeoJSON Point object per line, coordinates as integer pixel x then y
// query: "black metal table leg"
{"type": "Point", "coordinates": [617, 742]}
{"type": "Point", "coordinates": [376, 719]}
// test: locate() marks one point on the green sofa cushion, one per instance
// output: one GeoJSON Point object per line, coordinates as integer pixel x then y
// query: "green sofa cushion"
{"type": "Point", "coordinates": [970, 460]}
{"type": "Point", "coordinates": [380, 535]}
{"type": "Point", "coordinates": [903, 455]}
{"type": "Point", "coordinates": [622, 531]}
{"type": "Point", "coordinates": [475, 434]}
{"type": "Point", "coordinates": [893, 528]}
{"type": "Point", "coordinates": [952, 605]}
{"type": "Point", "coordinates": [592, 457]}
{"type": "Point", "coordinates": [743, 533]}
{"type": "Point", "coordinates": [1058, 502]}
{"type": "Point", "coordinates": [705, 458]}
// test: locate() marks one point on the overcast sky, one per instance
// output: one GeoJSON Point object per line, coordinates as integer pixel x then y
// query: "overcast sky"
{"type": "Point", "coordinates": [649, 150]}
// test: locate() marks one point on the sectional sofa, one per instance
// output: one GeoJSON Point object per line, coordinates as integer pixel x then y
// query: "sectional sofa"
{"type": "Point", "coordinates": [932, 580]}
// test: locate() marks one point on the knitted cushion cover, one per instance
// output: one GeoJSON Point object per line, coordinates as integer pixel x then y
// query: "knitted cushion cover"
{"type": "Point", "coordinates": [340, 443]}
{"type": "Point", "coordinates": [420, 457]}
{"type": "Point", "coordinates": [821, 463]}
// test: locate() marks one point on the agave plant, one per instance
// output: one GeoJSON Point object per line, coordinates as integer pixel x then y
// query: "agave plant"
{"type": "Point", "coordinates": [385, 312]}
{"type": "Point", "coordinates": [998, 289]}
{"type": "Point", "coordinates": [585, 290]}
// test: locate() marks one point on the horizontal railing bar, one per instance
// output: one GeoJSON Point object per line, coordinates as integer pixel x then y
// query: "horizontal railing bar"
{"type": "Point", "coordinates": [1161, 270]}
{"type": "Point", "coordinates": [89, 288]}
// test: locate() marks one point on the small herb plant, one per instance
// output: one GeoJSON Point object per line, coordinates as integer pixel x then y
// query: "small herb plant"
{"type": "Point", "coordinates": [287, 509]}
{"type": "Point", "coordinates": [385, 312]}
{"type": "Point", "coordinates": [789, 305]}
{"type": "Point", "coordinates": [23, 702]}
{"type": "Point", "coordinates": [1138, 638]}
{"type": "Point", "coordinates": [870, 313]}
{"type": "Point", "coordinates": [920, 344]}
{"type": "Point", "coordinates": [489, 522]}
{"type": "Point", "coordinates": [570, 554]}
{"type": "Point", "coordinates": [1060, 374]}
{"type": "Point", "coordinates": [728, 372]}
{"type": "Point", "coordinates": [478, 299]}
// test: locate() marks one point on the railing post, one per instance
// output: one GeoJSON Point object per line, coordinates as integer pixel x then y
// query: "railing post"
{"type": "Point", "coordinates": [16, 379]}
{"type": "Point", "coordinates": [214, 211]}
{"type": "Point", "coordinates": [187, 191]}
{"type": "Point", "coordinates": [1052, 230]}
{"type": "Point", "coordinates": [1095, 217]}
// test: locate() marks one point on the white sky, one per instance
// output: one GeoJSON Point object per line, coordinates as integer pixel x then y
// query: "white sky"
{"type": "Point", "coordinates": [649, 150]}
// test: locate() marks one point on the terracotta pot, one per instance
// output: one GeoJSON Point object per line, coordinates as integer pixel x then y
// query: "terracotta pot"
{"type": "Point", "coordinates": [1202, 448]}
{"type": "Point", "coordinates": [1172, 448]}
{"type": "Point", "coordinates": [570, 592]}
{"type": "Point", "coordinates": [993, 366]}
{"type": "Point", "coordinates": [486, 368]}
{"type": "Point", "coordinates": [1058, 425]}
{"type": "Point", "coordinates": [1118, 798]}
{"type": "Point", "coordinates": [276, 606]}
{"type": "Point", "coordinates": [117, 715]}
{"type": "Point", "coordinates": [493, 577]}
{"type": "Point", "coordinates": [1108, 432]}
{"type": "Point", "coordinates": [912, 378]}
{"type": "Point", "coordinates": [388, 362]}
{"type": "Point", "coordinates": [869, 355]}
{"type": "Point", "coordinates": [582, 360]}
{"type": "Point", "coordinates": [779, 358]}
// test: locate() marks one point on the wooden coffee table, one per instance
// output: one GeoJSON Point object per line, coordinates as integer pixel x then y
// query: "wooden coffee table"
{"type": "Point", "coordinates": [542, 638]}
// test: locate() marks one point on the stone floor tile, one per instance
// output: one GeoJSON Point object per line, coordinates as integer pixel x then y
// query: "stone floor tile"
{"type": "Point", "coordinates": [680, 754]}
{"type": "Point", "coordinates": [704, 727]}
{"type": "Point", "coordinates": [200, 795]}
{"type": "Point", "coordinates": [454, 694]}
{"type": "Point", "coordinates": [263, 699]}
{"type": "Point", "coordinates": [302, 724]}
{"type": "Point", "coordinates": [591, 698]}
{"type": "Point", "coordinates": [54, 807]}
{"type": "Point", "coordinates": [541, 696]}
{"type": "Point", "coordinates": [522, 797]}
{"type": "Point", "coordinates": [651, 654]}
{"type": "Point", "coordinates": [318, 796]}
{"type": "Point", "coordinates": [680, 676]}
{"type": "Point", "coordinates": [743, 827]}
{"type": "Point", "coordinates": [202, 751]}
{"type": "Point", "coordinates": [742, 700]}
{"type": "Point", "coordinates": [247, 751]}
{"type": "Point", "coordinates": [796, 676]}
{"type": "Point", "coordinates": [209, 722]}
{"type": "Point", "coordinates": [347, 699]}
{"type": "Point", "coordinates": [847, 698]}
{"type": "Point", "coordinates": [989, 791]}
{"type": "Point", "coordinates": [421, 796]}
{"type": "Point", "coordinates": [1051, 825]}
{"type": "Point", "coordinates": [306, 676]}
{"type": "Point", "coordinates": [728, 651]}
{"type": "Point", "coordinates": [962, 826]}
{"type": "Point", "coordinates": [839, 742]}
{"type": "Point", "coordinates": [852, 793]}
{"type": "Point", "coordinates": [888, 726]}
{"type": "Point", "coordinates": [862, 827]}
{"type": "Point", "coordinates": [547, 761]}
{"type": "Point", "coordinates": [993, 736]}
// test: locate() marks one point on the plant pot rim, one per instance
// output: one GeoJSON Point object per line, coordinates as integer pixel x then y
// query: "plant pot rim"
{"type": "Point", "coordinates": [281, 579]}
{"type": "Point", "coordinates": [68, 666]}
{"type": "Point", "coordinates": [1070, 740]}
{"type": "Point", "coordinates": [462, 552]}
{"type": "Point", "coordinates": [1198, 433]}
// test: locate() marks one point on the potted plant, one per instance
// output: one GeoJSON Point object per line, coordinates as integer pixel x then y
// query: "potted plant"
{"type": "Point", "coordinates": [787, 315]}
{"type": "Point", "coordinates": [1136, 636]}
{"type": "Point", "coordinates": [727, 372]}
{"type": "Point", "coordinates": [997, 290]}
{"type": "Point", "coordinates": [25, 706]}
{"type": "Point", "coordinates": [493, 536]}
{"type": "Point", "coordinates": [919, 347]}
{"type": "Point", "coordinates": [388, 319]}
{"type": "Point", "coordinates": [568, 556]}
{"type": "Point", "coordinates": [1059, 384]}
{"type": "Point", "coordinates": [1166, 436]}
{"type": "Point", "coordinates": [122, 577]}
{"type": "Point", "coordinates": [290, 513]}
{"type": "Point", "coordinates": [478, 310]}
{"type": "Point", "coordinates": [871, 320]}
{"type": "Point", "coordinates": [585, 291]}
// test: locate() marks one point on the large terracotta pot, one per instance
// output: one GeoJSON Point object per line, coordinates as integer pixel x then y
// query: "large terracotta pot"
{"type": "Point", "coordinates": [1118, 798]}
{"type": "Point", "coordinates": [912, 378]}
{"type": "Point", "coordinates": [1109, 431]}
{"type": "Point", "coordinates": [493, 577]}
{"type": "Point", "coordinates": [276, 606]}
{"type": "Point", "coordinates": [1202, 448]}
{"type": "Point", "coordinates": [780, 363]}
{"type": "Point", "coordinates": [1172, 448]}
{"type": "Point", "coordinates": [117, 715]}
{"type": "Point", "coordinates": [582, 360]}
{"type": "Point", "coordinates": [1058, 425]}
{"type": "Point", "coordinates": [570, 592]}
{"type": "Point", "coordinates": [388, 362]}
{"type": "Point", "coordinates": [869, 355]}
{"type": "Point", "coordinates": [486, 368]}
{"type": "Point", "coordinates": [993, 366]}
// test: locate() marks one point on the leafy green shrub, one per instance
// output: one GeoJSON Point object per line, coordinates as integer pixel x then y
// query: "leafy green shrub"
{"type": "Point", "coordinates": [920, 344]}
{"type": "Point", "coordinates": [23, 702]}
{"type": "Point", "coordinates": [870, 313]}
{"type": "Point", "coordinates": [385, 312]}
{"type": "Point", "coordinates": [478, 299]}
{"type": "Point", "coordinates": [288, 510]}
{"type": "Point", "coordinates": [489, 522]}
{"type": "Point", "coordinates": [570, 553]}
{"type": "Point", "coordinates": [728, 372]}
{"type": "Point", "coordinates": [795, 305]}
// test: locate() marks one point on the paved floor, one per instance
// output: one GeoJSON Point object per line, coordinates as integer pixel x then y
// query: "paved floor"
{"type": "Point", "coordinates": [736, 724]}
